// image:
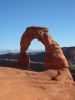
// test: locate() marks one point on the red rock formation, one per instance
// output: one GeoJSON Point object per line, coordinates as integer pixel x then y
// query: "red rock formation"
{"type": "Point", "coordinates": [55, 58]}
{"type": "Point", "coordinates": [30, 34]}
{"type": "Point", "coordinates": [16, 84]}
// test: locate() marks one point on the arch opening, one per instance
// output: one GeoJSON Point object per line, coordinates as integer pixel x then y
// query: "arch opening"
{"type": "Point", "coordinates": [36, 51]}
{"type": "Point", "coordinates": [36, 46]}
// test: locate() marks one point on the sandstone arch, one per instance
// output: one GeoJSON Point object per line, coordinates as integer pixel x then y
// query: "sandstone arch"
{"type": "Point", "coordinates": [54, 58]}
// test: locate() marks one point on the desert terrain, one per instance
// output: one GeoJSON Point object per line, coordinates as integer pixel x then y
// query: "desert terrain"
{"type": "Point", "coordinates": [21, 83]}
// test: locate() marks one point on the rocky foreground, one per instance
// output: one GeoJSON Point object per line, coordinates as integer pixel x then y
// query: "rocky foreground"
{"type": "Point", "coordinates": [16, 84]}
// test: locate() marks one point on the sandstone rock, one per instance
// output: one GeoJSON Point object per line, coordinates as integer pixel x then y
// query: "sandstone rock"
{"type": "Point", "coordinates": [54, 59]}
{"type": "Point", "coordinates": [18, 84]}
{"type": "Point", "coordinates": [23, 59]}
{"type": "Point", "coordinates": [30, 34]}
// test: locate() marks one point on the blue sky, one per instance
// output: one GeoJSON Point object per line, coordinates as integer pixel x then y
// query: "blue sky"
{"type": "Point", "coordinates": [16, 15]}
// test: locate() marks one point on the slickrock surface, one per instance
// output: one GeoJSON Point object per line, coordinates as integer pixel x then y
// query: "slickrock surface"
{"type": "Point", "coordinates": [16, 84]}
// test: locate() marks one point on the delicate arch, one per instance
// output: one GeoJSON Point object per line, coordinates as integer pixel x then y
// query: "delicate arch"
{"type": "Point", "coordinates": [54, 57]}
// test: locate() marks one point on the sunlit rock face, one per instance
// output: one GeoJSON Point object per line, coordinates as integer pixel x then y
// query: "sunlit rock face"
{"type": "Point", "coordinates": [54, 57]}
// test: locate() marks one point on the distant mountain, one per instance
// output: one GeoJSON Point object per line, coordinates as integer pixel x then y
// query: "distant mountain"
{"type": "Point", "coordinates": [4, 52]}
{"type": "Point", "coordinates": [69, 53]}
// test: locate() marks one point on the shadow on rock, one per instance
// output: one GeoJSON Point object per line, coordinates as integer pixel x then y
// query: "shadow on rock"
{"type": "Point", "coordinates": [34, 66]}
